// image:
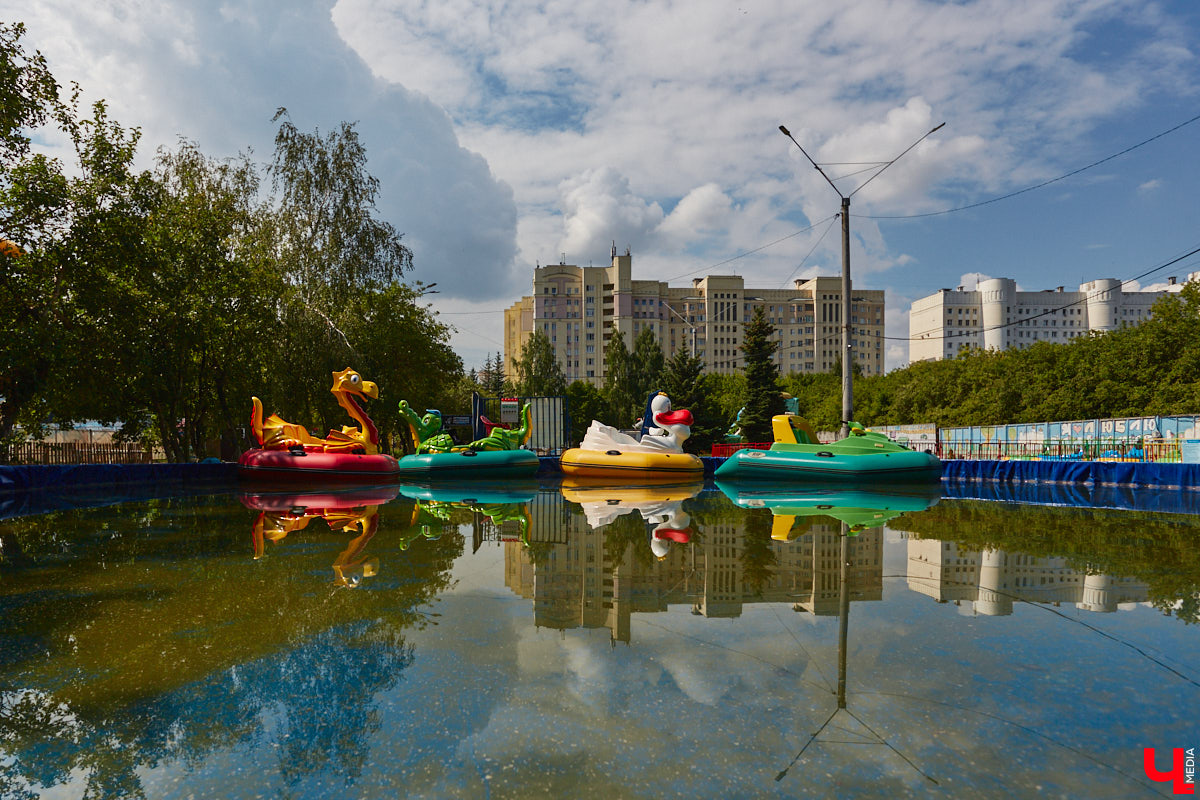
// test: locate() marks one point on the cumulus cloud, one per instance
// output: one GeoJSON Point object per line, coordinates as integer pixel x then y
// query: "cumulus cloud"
{"type": "Point", "coordinates": [216, 74]}
{"type": "Point", "coordinates": [970, 280]}
{"type": "Point", "coordinates": [508, 131]}
{"type": "Point", "coordinates": [599, 206]}
{"type": "Point", "coordinates": [702, 212]}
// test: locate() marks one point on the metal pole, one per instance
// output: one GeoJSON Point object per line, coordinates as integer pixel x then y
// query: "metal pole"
{"type": "Point", "coordinates": [843, 617]}
{"type": "Point", "coordinates": [685, 322]}
{"type": "Point", "coordinates": [847, 349]}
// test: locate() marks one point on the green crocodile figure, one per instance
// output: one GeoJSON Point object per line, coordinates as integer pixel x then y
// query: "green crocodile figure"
{"type": "Point", "coordinates": [502, 439]}
{"type": "Point", "coordinates": [428, 437]}
{"type": "Point", "coordinates": [426, 431]}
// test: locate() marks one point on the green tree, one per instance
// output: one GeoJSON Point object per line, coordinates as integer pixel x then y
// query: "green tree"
{"type": "Point", "coordinates": [492, 378]}
{"type": "Point", "coordinates": [33, 191]}
{"type": "Point", "coordinates": [538, 371]}
{"type": "Point", "coordinates": [190, 341]}
{"type": "Point", "coordinates": [331, 246]}
{"type": "Point", "coordinates": [763, 399]}
{"type": "Point", "coordinates": [646, 366]}
{"type": "Point", "coordinates": [404, 348]}
{"type": "Point", "coordinates": [584, 404]}
{"type": "Point", "coordinates": [683, 381]}
{"type": "Point", "coordinates": [624, 404]}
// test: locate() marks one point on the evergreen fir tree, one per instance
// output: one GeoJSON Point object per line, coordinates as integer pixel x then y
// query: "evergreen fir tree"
{"type": "Point", "coordinates": [763, 399]}
{"type": "Point", "coordinates": [683, 381]}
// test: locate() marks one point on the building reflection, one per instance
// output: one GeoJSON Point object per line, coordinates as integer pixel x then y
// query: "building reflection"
{"type": "Point", "coordinates": [992, 580]}
{"type": "Point", "coordinates": [590, 578]}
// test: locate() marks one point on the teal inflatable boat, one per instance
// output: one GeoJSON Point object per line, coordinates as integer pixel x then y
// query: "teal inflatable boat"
{"type": "Point", "coordinates": [797, 455]}
{"type": "Point", "coordinates": [493, 464]}
{"type": "Point", "coordinates": [860, 508]}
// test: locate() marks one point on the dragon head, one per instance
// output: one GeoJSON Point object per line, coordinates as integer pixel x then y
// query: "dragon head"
{"type": "Point", "coordinates": [351, 382]}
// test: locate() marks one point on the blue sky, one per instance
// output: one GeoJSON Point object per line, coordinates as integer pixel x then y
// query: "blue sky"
{"type": "Point", "coordinates": [511, 133]}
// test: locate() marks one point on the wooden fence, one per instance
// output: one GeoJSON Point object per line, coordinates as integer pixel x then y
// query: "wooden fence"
{"type": "Point", "coordinates": [73, 453]}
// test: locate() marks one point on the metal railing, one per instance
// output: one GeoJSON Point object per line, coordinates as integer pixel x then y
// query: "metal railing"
{"type": "Point", "coordinates": [1158, 451]}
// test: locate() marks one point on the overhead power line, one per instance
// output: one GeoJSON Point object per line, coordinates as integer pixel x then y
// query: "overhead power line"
{"type": "Point", "coordinates": [1073, 172]}
{"type": "Point", "coordinates": [1046, 313]}
{"type": "Point", "coordinates": [755, 250]}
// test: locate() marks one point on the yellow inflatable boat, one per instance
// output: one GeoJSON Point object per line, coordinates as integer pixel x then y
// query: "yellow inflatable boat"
{"type": "Point", "coordinates": [626, 466]}
{"type": "Point", "coordinates": [656, 455]}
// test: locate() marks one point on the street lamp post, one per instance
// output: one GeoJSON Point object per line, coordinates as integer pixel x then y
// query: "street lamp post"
{"type": "Point", "coordinates": [685, 322]}
{"type": "Point", "coordinates": [847, 348]}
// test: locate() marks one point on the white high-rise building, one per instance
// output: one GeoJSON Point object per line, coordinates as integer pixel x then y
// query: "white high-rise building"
{"type": "Point", "coordinates": [995, 316]}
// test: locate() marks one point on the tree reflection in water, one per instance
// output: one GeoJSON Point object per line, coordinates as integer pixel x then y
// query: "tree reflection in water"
{"type": "Point", "coordinates": [280, 666]}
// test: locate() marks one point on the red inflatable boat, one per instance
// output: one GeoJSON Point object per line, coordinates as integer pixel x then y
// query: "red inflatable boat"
{"type": "Point", "coordinates": [300, 466]}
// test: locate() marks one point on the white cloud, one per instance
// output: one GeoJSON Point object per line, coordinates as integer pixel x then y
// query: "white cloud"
{"type": "Point", "coordinates": [598, 206]}
{"type": "Point", "coordinates": [217, 74]}
{"type": "Point", "coordinates": [505, 133]}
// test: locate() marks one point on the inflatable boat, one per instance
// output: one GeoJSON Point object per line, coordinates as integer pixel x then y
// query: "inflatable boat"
{"type": "Point", "coordinates": [797, 455]}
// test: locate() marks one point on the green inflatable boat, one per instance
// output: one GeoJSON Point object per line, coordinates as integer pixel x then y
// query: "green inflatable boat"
{"type": "Point", "coordinates": [499, 455]}
{"type": "Point", "coordinates": [860, 508]}
{"type": "Point", "coordinates": [473, 464]}
{"type": "Point", "coordinates": [797, 455]}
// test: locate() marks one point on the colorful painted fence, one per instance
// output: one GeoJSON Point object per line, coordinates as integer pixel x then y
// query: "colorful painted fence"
{"type": "Point", "coordinates": [1132, 439]}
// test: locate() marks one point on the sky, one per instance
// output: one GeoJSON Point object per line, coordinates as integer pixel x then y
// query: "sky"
{"type": "Point", "coordinates": [516, 133]}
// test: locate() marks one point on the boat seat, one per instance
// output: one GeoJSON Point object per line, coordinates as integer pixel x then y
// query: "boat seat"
{"type": "Point", "coordinates": [789, 429]}
{"type": "Point", "coordinates": [488, 425]}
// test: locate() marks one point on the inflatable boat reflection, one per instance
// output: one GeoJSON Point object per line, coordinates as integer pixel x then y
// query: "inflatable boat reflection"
{"type": "Point", "coordinates": [353, 511]}
{"type": "Point", "coordinates": [860, 509]}
{"type": "Point", "coordinates": [661, 506]}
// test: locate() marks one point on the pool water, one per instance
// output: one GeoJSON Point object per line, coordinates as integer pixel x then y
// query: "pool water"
{"type": "Point", "coordinates": [548, 641]}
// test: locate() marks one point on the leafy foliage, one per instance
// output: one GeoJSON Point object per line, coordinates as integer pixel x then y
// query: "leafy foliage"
{"type": "Point", "coordinates": [538, 371]}
{"type": "Point", "coordinates": [163, 299]}
{"type": "Point", "coordinates": [685, 384]}
{"type": "Point", "coordinates": [584, 404]}
{"type": "Point", "coordinates": [646, 364]}
{"type": "Point", "coordinates": [620, 389]}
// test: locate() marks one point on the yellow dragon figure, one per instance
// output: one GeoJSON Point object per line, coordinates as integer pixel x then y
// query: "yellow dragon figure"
{"type": "Point", "coordinates": [275, 433]}
{"type": "Point", "coordinates": [351, 566]}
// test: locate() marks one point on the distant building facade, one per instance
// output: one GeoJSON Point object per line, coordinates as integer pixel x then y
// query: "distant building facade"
{"type": "Point", "coordinates": [584, 583]}
{"type": "Point", "coordinates": [580, 308]}
{"type": "Point", "coordinates": [995, 316]}
{"type": "Point", "coordinates": [991, 580]}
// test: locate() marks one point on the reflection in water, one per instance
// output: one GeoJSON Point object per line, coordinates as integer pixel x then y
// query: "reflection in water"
{"type": "Point", "coordinates": [992, 554]}
{"type": "Point", "coordinates": [146, 635]}
{"type": "Point", "coordinates": [860, 733]}
{"type": "Point", "coordinates": [858, 508]}
{"type": "Point", "coordinates": [142, 644]}
{"type": "Point", "coordinates": [350, 511]}
{"type": "Point", "coordinates": [992, 580]}
{"type": "Point", "coordinates": [660, 505]}
{"type": "Point", "coordinates": [498, 512]}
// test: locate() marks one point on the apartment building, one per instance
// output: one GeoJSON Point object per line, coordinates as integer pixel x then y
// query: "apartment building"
{"type": "Point", "coordinates": [580, 308]}
{"type": "Point", "coordinates": [995, 316]}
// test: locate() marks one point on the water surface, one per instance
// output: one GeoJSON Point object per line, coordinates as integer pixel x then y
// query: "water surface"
{"type": "Point", "coordinates": [540, 640]}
